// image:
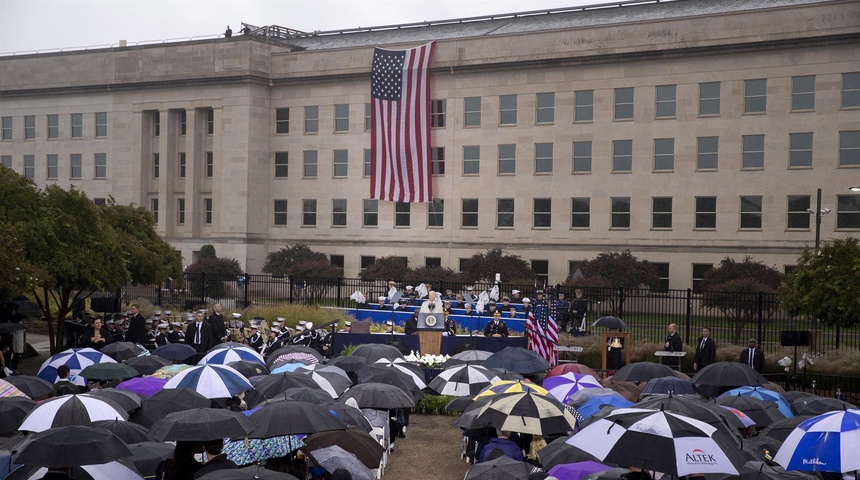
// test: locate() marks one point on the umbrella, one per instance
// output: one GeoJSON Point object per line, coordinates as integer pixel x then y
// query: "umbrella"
{"type": "Point", "coordinates": [470, 356]}
{"type": "Point", "coordinates": [526, 412]}
{"type": "Point", "coordinates": [288, 367]}
{"type": "Point", "coordinates": [745, 419]}
{"type": "Point", "coordinates": [249, 368]}
{"type": "Point", "coordinates": [109, 371]}
{"type": "Point", "coordinates": [517, 359]}
{"type": "Point", "coordinates": [292, 418]}
{"type": "Point", "coordinates": [375, 351]}
{"type": "Point", "coordinates": [121, 351]}
{"type": "Point", "coordinates": [642, 372]}
{"type": "Point", "coordinates": [77, 359]}
{"type": "Point", "coordinates": [10, 327]}
{"type": "Point", "coordinates": [211, 381]}
{"type": "Point", "coordinates": [610, 322]}
{"type": "Point", "coordinates": [762, 412]}
{"type": "Point", "coordinates": [69, 446]}
{"type": "Point", "coordinates": [709, 413]}
{"type": "Point", "coordinates": [594, 404]}
{"type": "Point", "coordinates": [248, 451]}
{"type": "Point", "coordinates": [390, 376]}
{"type": "Point", "coordinates": [247, 473]}
{"type": "Point", "coordinates": [71, 410]}
{"type": "Point", "coordinates": [760, 448]}
{"type": "Point", "coordinates": [458, 404]}
{"type": "Point", "coordinates": [659, 440]}
{"type": "Point", "coordinates": [129, 401]}
{"type": "Point", "coordinates": [604, 412]}
{"type": "Point", "coordinates": [201, 424]}
{"type": "Point", "coordinates": [611, 474]}
{"type": "Point", "coordinates": [563, 368]}
{"type": "Point", "coordinates": [563, 386]}
{"type": "Point", "coordinates": [721, 376]}
{"type": "Point", "coordinates": [413, 371]}
{"type": "Point", "coordinates": [628, 390]}
{"type": "Point", "coordinates": [7, 390]}
{"type": "Point", "coordinates": [326, 369]}
{"type": "Point", "coordinates": [334, 457]}
{"type": "Point", "coordinates": [147, 455]}
{"type": "Point", "coordinates": [582, 396]}
{"type": "Point", "coordinates": [356, 441]}
{"type": "Point", "coordinates": [331, 381]}
{"type": "Point", "coordinates": [825, 443]}
{"type": "Point", "coordinates": [511, 386]}
{"type": "Point", "coordinates": [105, 471]}
{"type": "Point", "coordinates": [170, 371]}
{"type": "Point", "coordinates": [463, 380]}
{"type": "Point", "coordinates": [667, 384]}
{"type": "Point", "coordinates": [822, 405]}
{"type": "Point", "coordinates": [379, 396]}
{"type": "Point", "coordinates": [147, 364]}
{"type": "Point", "coordinates": [128, 432]}
{"type": "Point", "coordinates": [146, 387]}
{"type": "Point", "coordinates": [577, 470]}
{"type": "Point", "coordinates": [34, 387]}
{"type": "Point", "coordinates": [502, 468]}
{"type": "Point", "coordinates": [272, 385]}
{"type": "Point", "coordinates": [294, 352]}
{"type": "Point", "coordinates": [26, 306]}
{"type": "Point", "coordinates": [168, 401]}
{"type": "Point", "coordinates": [780, 429]}
{"type": "Point", "coordinates": [798, 398]}
{"type": "Point", "coordinates": [348, 415]}
{"type": "Point", "coordinates": [764, 394]}
{"type": "Point", "coordinates": [13, 411]}
{"type": "Point", "coordinates": [559, 451]}
{"type": "Point", "coordinates": [225, 345]}
{"type": "Point", "coordinates": [349, 363]}
{"type": "Point", "coordinates": [224, 355]}
{"type": "Point", "coordinates": [505, 374]}
{"type": "Point", "coordinates": [302, 394]}
{"type": "Point", "coordinates": [175, 351]}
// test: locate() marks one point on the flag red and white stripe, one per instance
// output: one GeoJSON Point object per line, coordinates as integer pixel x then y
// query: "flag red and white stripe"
{"type": "Point", "coordinates": [542, 330]}
{"type": "Point", "coordinates": [400, 125]}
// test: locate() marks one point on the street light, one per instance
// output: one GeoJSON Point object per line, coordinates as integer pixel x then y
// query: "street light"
{"type": "Point", "coordinates": [854, 189]}
{"type": "Point", "coordinates": [821, 212]}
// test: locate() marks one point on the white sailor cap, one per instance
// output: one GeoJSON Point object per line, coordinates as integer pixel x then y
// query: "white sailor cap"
{"type": "Point", "coordinates": [237, 315]}
{"type": "Point", "coordinates": [275, 330]}
{"type": "Point", "coordinates": [515, 292]}
{"type": "Point", "coordinates": [309, 325]}
{"type": "Point", "coordinates": [281, 319]}
{"type": "Point", "coordinates": [382, 299]}
{"type": "Point", "coordinates": [389, 322]}
{"type": "Point", "coordinates": [163, 325]}
{"type": "Point", "coordinates": [253, 325]}
{"type": "Point", "coordinates": [177, 324]}
{"type": "Point", "coordinates": [157, 313]}
{"type": "Point", "coordinates": [168, 312]}
{"type": "Point", "coordinates": [109, 322]}
{"type": "Point", "coordinates": [302, 322]}
{"type": "Point", "coordinates": [347, 323]}
{"type": "Point", "coordinates": [300, 327]}
{"type": "Point", "coordinates": [409, 287]}
{"type": "Point", "coordinates": [526, 300]}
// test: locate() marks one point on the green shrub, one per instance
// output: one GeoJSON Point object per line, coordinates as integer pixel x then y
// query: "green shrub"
{"type": "Point", "coordinates": [433, 405]}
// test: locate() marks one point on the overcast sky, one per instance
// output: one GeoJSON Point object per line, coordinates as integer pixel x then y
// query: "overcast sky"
{"type": "Point", "coordinates": [28, 25]}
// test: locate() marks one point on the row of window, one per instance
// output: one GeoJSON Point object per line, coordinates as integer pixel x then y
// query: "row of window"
{"type": "Point", "coordinates": [182, 165]}
{"type": "Point", "coordinates": [182, 121]}
{"type": "Point", "coordinates": [52, 165]}
{"type": "Point", "coordinates": [710, 93]}
{"type": "Point", "coordinates": [52, 126]}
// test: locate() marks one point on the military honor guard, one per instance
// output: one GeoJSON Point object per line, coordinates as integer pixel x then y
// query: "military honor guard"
{"type": "Point", "coordinates": [255, 340]}
{"type": "Point", "coordinates": [162, 337]}
{"type": "Point", "coordinates": [176, 334]}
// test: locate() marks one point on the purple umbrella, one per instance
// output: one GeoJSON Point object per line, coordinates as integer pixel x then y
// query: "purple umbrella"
{"type": "Point", "coordinates": [146, 386]}
{"type": "Point", "coordinates": [578, 470]}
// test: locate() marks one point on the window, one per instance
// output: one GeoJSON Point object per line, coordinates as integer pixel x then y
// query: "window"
{"type": "Point", "coordinates": [180, 211]}
{"type": "Point", "coordinates": [280, 210]}
{"type": "Point", "coordinates": [437, 160]}
{"type": "Point", "coordinates": [337, 260]}
{"type": "Point", "coordinates": [101, 124]}
{"type": "Point", "coordinates": [156, 123]}
{"type": "Point", "coordinates": [753, 152]}
{"type": "Point", "coordinates": [6, 128]}
{"type": "Point", "coordinates": [545, 112]}
{"type": "Point", "coordinates": [620, 212]}
{"type": "Point", "coordinates": [282, 164]}
{"type": "Point", "coordinates": [368, 117]}
{"type": "Point", "coordinates": [580, 213]}
{"type": "Point", "coordinates": [709, 98]}
{"type": "Point", "coordinates": [100, 162]}
{"type": "Point", "coordinates": [341, 117]}
{"type": "Point", "coordinates": [542, 213]}
{"type": "Point", "coordinates": [367, 165]}
{"type": "Point", "coordinates": [507, 159]}
{"type": "Point", "coordinates": [507, 110]}
{"type": "Point", "coordinates": [312, 119]}
{"type": "Point", "coordinates": [309, 213]}
{"type": "Point", "coordinates": [282, 120]}
{"type": "Point", "coordinates": [699, 271]}
{"type": "Point", "coordinates": [183, 122]}
{"type": "Point", "coordinates": [338, 212]}
{"type": "Point", "coordinates": [437, 112]}
{"type": "Point", "coordinates": [210, 121]}
{"type": "Point", "coordinates": [622, 156]}
{"type": "Point", "coordinates": [210, 164]}
{"type": "Point", "coordinates": [851, 90]}
{"type": "Point", "coordinates": [77, 125]}
{"type": "Point", "coordinates": [541, 269]}
{"type": "Point", "coordinates": [53, 163]}
{"type": "Point", "coordinates": [29, 127]}
{"type": "Point", "coordinates": [462, 263]}
{"type": "Point", "coordinates": [798, 212]}
{"type": "Point", "coordinates": [156, 165]}
{"type": "Point", "coordinates": [6, 161]}
{"type": "Point", "coordinates": [582, 157]}
{"type": "Point", "coordinates": [436, 213]}
{"type": "Point", "coordinates": [803, 92]}
{"type": "Point", "coordinates": [153, 207]}
{"type": "Point", "coordinates": [624, 103]}
{"type": "Point", "coordinates": [543, 158]}
{"type": "Point", "coordinates": [100, 201]}
{"type": "Point", "coordinates": [583, 105]}
{"type": "Point", "coordinates": [366, 261]}
{"type": "Point", "coordinates": [504, 213]}
{"type": "Point", "coordinates": [707, 157]}
{"type": "Point", "coordinates": [53, 126]}
{"type": "Point", "coordinates": [849, 149]}
{"type": "Point", "coordinates": [76, 163]}
{"type": "Point", "coordinates": [755, 96]}
{"type": "Point", "coordinates": [848, 212]}
{"type": "Point", "coordinates": [30, 166]}
{"type": "Point", "coordinates": [751, 212]}
{"type": "Point", "coordinates": [662, 275]}
{"type": "Point", "coordinates": [207, 211]}
{"type": "Point", "coordinates": [661, 213]}
{"type": "Point", "coordinates": [706, 213]}
{"type": "Point", "coordinates": [471, 160]}
{"type": "Point", "coordinates": [181, 164]}
{"type": "Point", "coordinates": [341, 163]}
{"type": "Point", "coordinates": [470, 213]}
{"type": "Point", "coordinates": [472, 112]}
{"type": "Point", "coordinates": [800, 150]}
{"type": "Point", "coordinates": [402, 214]}
{"type": "Point", "coordinates": [309, 165]}
{"type": "Point", "coordinates": [370, 213]}
{"type": "Point", "coordinates": [664, 154]}
{"type": "Point", "coordinates": [665, 103]}
{"type": "Point", "coordinates": [432, 262]}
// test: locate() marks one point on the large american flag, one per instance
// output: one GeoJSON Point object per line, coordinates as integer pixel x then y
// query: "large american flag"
{"type": "Point", "coordinates": [400, 125]}
{"type": "Point", "coordinates": [543, 331]}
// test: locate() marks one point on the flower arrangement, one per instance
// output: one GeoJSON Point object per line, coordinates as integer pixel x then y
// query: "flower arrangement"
{"type": "Point", "coordinates": [426, 361]}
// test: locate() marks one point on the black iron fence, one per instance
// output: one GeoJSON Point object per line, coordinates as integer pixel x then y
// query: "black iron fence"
{"type": "Point", "coordinates": [732, 317]}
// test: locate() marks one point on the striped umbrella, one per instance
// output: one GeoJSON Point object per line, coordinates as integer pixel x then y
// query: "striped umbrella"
{"type": "Point", "coordinates": [511, 386]}
{"type": "Point", "coordinates": [526, 412]}
{"type": "Point", "coordinates": [71, 410]}
{"type": "Point", "coordinates": [402, 365]}
{"type": "Point", "coordinates": [331, 379]}
{"type": "Point", "coordinates": [77, 359]}
{"type": "Point", "coordinates": [563, 386]}
{"type": "Point", "coordinates": [463, 380]}
{"type": "Point", "coordinates": [211, 381]}
{"type": "Point", "coordinates": [9, 390]}
{"type": "Point", "coordinates": [826, 443]}
{"type": "Point", "coordinates": [225, 355]}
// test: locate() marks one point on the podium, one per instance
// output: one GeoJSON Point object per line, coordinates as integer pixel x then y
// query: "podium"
{"type": "Point", "coordinates": [675, 359]}
{"type": "Point", "coordinates": [430, 342]}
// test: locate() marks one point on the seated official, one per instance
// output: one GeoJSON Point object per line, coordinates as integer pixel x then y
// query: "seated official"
{"type": "Point", "coordinates": [411, 327]}
{"type": "Point", "coordinates": [450, 324]}
{"type": "Point", "coordinates": [497, 327]}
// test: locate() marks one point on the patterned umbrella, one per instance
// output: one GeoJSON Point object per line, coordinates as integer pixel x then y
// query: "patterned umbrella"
{"type": "Point", "coordinates": [463, 380]}
{"type": "Point", "coordinates": [34, 387]}
{"type": "Point", "coordinates": [563, 386]}
{"type": "Point", "coordinates": [148, 364]}
{"type": "Point", "coordinates": [71, 410]}
{"type": "Point", "coordinates": [225, 355]}
{"type": "Point", "coordinates": [170, 371]}
{"type": "Point", "coordinates": [147, 386]}
{"type": "Point", "coordinates": [763, 394]}
{"type": "Point", "coordinates": [826, 443]}
{"type": "Point", "coordinates": [77, 359]}
{"type": "Point", "coordinates": [9, 390]}
{"type": "Point", "coordinates": [526, 412]}
{"type": "Point", "coordinates": [511, 386]}
{"type": "Point", "coordinates": [294, 352]}
{"type": "Point", "coordinates": [252, 450]}
{"type": "Point", "coordinates": [211, 381]}
{"type": "Point", "coordinates": [168, 401]}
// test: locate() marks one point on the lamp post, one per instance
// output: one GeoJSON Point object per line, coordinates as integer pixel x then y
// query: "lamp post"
{"type": "Point", "coordinates": [819, 212]}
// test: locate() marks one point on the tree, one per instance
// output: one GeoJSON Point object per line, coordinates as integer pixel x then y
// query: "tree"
{"type": "Point", "coordinates": [207, 275]}
{"type": "Point", "coordinates": [17, 275]}
{"type": "Point", "coordinates": [384, 268]}
{"type": "Point", "coordinates": [281, 262]}
{"type": "Point", "coordinates": [483, 267]}
{"type": "Point", "coordinates": [609, 271]}
{"type": "Point", "coordinates": [301, 262]}
{"type": "Point", "coordinates": [733, 288]}
{"type": "Point", "coordinates": [207, 251]}
{"type": "Point", "coordinates": [825, 286]}
{"type": "Point", "coordinates": [435, 275]}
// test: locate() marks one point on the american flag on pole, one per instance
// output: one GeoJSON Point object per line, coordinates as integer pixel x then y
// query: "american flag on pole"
{"type": "Point", "coordinates": [400, 125]}
{"type": "Point", "coordinates": [543, 331]}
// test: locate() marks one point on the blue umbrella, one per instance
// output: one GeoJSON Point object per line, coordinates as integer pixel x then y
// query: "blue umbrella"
{"type": "Point", "coordinates": [248, 451]}
{"type": "Point", "coordinates": [211, 381]}
{"type": "Point", "coordinates": [77, 359]}
{"type": "Point", "coordinates": [763, 394]}
{"type": "Point", "coordinates": [826, 443]}
{"type": "Point", "coordinates": [664, 385]}
{"type": "Point", "coordinates": [225, 355]}
{"type": "Point", "coordinates": [593, 404]}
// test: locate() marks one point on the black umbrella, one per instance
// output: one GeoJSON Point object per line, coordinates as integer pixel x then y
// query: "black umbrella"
{"type": "Point", "coordinates": [292, 353]}
{"type": "Point", "coordinates": [128, 432]}
{"type": "Point", "coordinates": [168, 401]}
{"type": "Point", "coordinates": [390, 376]}
{"type": "Point", "coordinates": [502, 468]}
{"type": "Point", "coordinates": [10, 327]}
{"type": "Point", "coordinates": [109, 371]}
{"type": "Point", "coordinates": [348, 415]}
{"type": "Point", "coordinates": [558, 452]}
{"type": "Point", "coordinates": [458, 404]}
{"type": "Point", "coordinates": [247, 473]}
{"type": "Point", "coordinates": [301, 394]}
{"type": "Point", "coordinates": [34, 387]}
{"type": "Point", "coordinates": [349, 363]}
{"type": "Point", "coordinates": [201, 424]}
{"type": "Point", "coordinates": [665, 385]}
{"type": "Point", "coordinates": [25, 306]}
{"type": "Point", "coordinates": [821, 405]}
{"type": "Point", "coordinates": [780, 429]}
{"type": "Point", "coordinates": [120, 351]}
{"type": "Point", "coordinates": [379, 396]}
{"type": "Point", "coordinates": [292, 418]}
{"type": "Point", "coordinates": [175, 351]}
{"type": "Point", "coordinates": [723, 376]}
{"type": "Point", "coordinates": [130, 401]}
{"type": "Point", "coordinates": [272, 385]}
{"type": "Point", "coordinates": [758, 448]}
{"type": "Point", "coordinates": [517, 359]}
{"type": "Point", "coordinates": [797, 396]}
{"type": "Point", "coordinates": [376, 351]}
{"type": "Point", "coordinates": [505, 374]}
{"type": "Point", "coordinates": [610, 322]}
{"type": "Point", "coordinates": [147, 455]}
{"type": "Point", "coordinates": [69, 446]}
{"type": "Point", "coordinates": [249, 368]}
{"type": "Point", "coordinates": [149, 364]}
{"type": "Point", "coordinates": [762, 412]}
{"type": "Point", "coordinates": [13, 411]}
{"type": "Point", "coordinates": [642, 372]}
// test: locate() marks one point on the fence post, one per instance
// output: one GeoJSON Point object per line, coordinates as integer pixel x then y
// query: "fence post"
{"type": "Point", "coordinates": [339, 295]}
{"type": "Point", "coordinates": [620, 302]}
{"type": "Point", "coordinates": [760, 317]}
{"type": "Point", "coordinates": [247, 287]}
{"type": "Point", "coordinates": [689, 315]}
{"type": "Point", "coordinates": [837, 337]}
{"type": "Point", "coordinates": [291, 289]}
{"type": "Point", "coordinates": [158, 294]}
{"type": "Point", "coordinates": [203, 288]}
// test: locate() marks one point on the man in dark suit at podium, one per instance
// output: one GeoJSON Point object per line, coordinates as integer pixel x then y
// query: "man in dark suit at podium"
{"type": "Point", "coordinates": [673, 344]}
{"type": "Point", "coordinates": [753, 356]}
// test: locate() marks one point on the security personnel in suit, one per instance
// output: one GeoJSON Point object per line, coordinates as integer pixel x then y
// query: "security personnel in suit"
{"type": "Point", "coordinates": [753, 357]}
{"type": "Point", "coordinates": [255, 341]}
{"type": "Point", "coordinates": [496, 328]}
{"type": "Point", "coordinates": [136, 326]}
{"type": "Point", "coordinates": [200, 335]}
{"type": "Point", "coordinates": [706, 350]}
{"type": "Point", "coordinates": [216, 320]}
